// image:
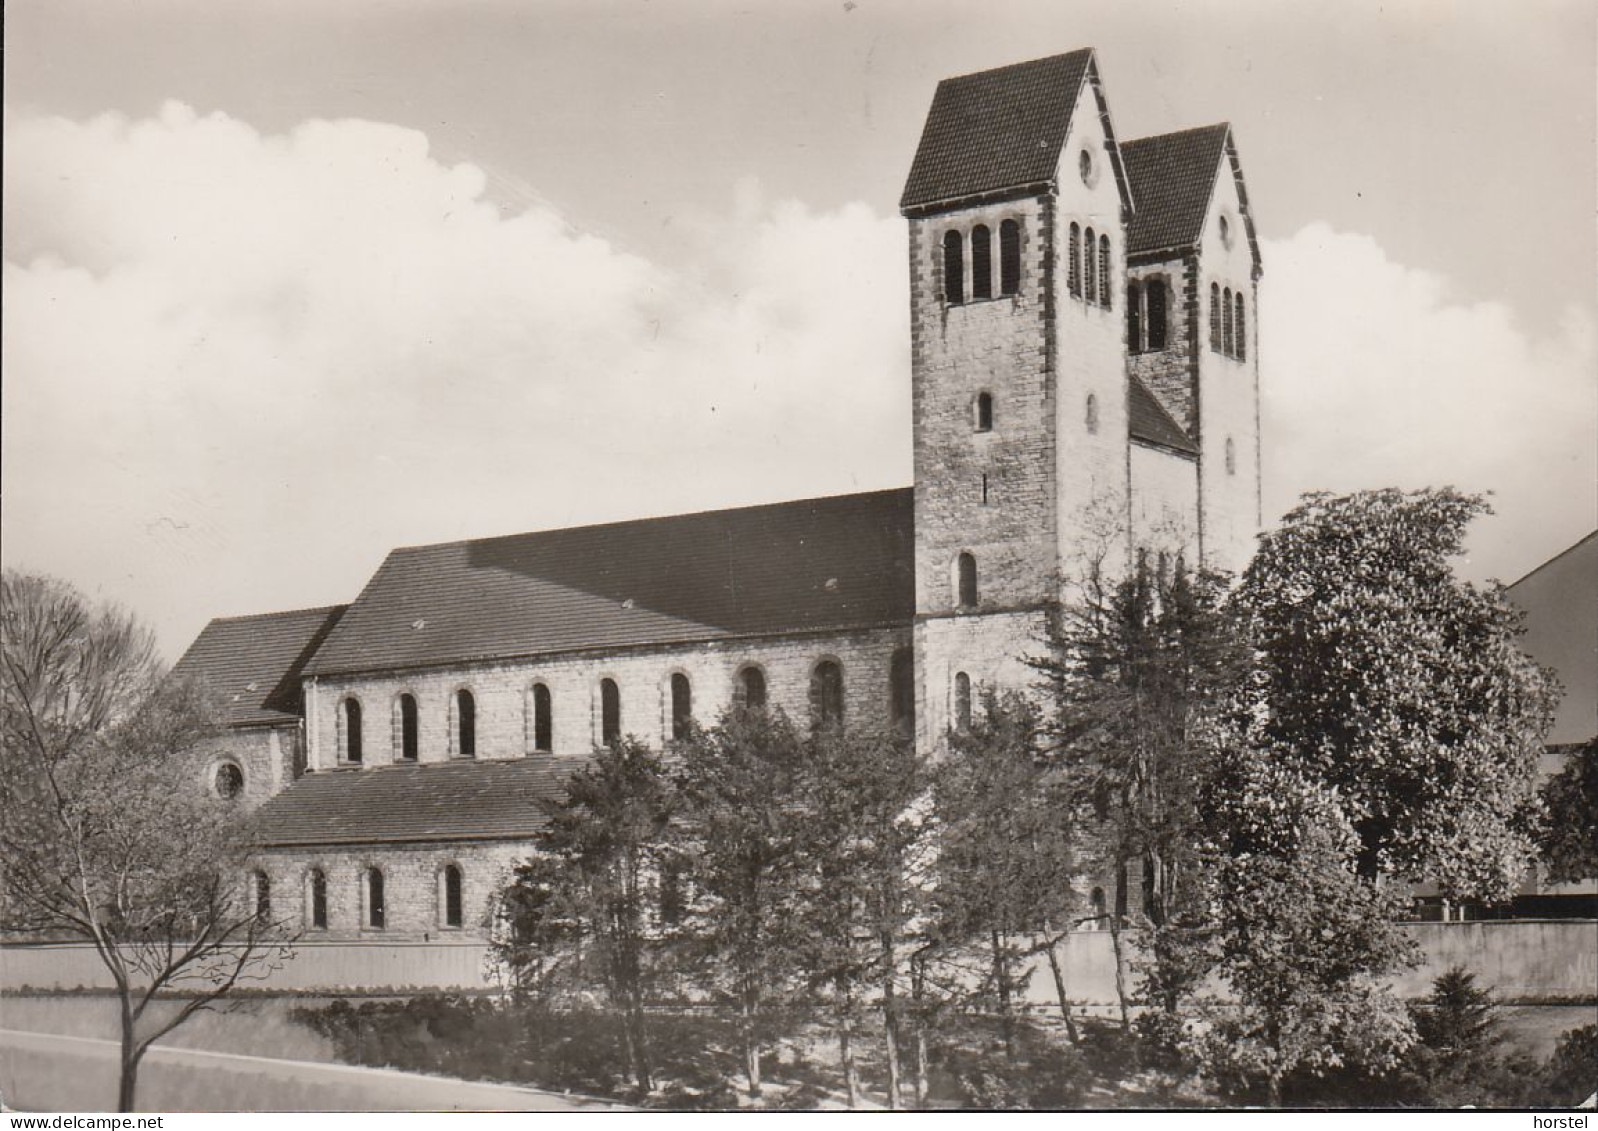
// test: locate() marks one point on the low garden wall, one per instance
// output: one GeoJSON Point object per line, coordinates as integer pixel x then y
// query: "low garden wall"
{"type": "Point", "coordinates": [1522, 960]}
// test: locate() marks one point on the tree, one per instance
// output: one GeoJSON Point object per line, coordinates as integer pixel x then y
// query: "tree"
{"type": "Point", "coordinates": [1569, 836]}
{"type": "Point", "coordinates": [862, 797]}
{"type": "Point", "coordinates": [1137, 670]}
{"type": "Point", "coordinates": [104, 833]}
{"type": "Point", "coordinates": [1005, 864]}
{"type": "Point", "coordinates": [580, 912]}
{"type": "Point", "coordinates": [1397, 687]}
{"type": "Point", "coordinates": [741, 834]}
{"type": "Point", "coordinates": [1305, 944]}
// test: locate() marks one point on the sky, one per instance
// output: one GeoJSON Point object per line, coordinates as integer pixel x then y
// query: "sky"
{"type": "Point", "coordinates": [289, 283]}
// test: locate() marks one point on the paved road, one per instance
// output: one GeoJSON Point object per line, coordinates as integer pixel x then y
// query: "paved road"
{"type": "Point", "coordinates": [49, 1072]}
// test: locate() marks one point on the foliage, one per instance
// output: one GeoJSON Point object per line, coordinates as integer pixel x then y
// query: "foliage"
{"type": "Point", "coordinates": [1397, 686]}
{"type": "Point", "coordinates": [1572, 1070]}
{"type": "Point", "coordinates": [1005, 866]}
{"type": "Point", "coordinates": [1461, 1058]}
{"type": "Point", "coordinates": [1303, 941]}
{"type": "Point", "coordinates": [106, 834]}
{"type": "Point", "coordinates": [579, 915]}
{"type": "Point", "coordinates": [740, 838]}
{"type": "Point", "coordinates": [1137, 670]}
{"type": "Point", "coordinates": [862, 798]}
{"type": "Point", "coordinates": [1569, 836]}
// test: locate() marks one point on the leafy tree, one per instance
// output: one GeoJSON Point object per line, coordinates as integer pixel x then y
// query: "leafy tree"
{"type": "Point", "coordinates": [1569, 836]}
{"type": "Point", "coordinates": [1137, 670]}
{"type": "Point", "coordinates": [104, 833]}
{"type": "Point", "coordinates": [741, 835]}
{"type": "Point", "coordinates": [861, 797]}
{"type": "Point", "coordinates": [580, 912]}
{"type": "Point", "coordinates": [1384, 678]}
{"type": "Point", "coordinates": [1305, 943]}
{"type": "Point", "coordinates": [1005, 863]}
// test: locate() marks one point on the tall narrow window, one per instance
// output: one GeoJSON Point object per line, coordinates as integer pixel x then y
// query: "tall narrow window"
{"type": "Point", "coordinates": [682, 706]}
{"type": "Point", "coordinates": [826, 693]}
{"type": "Point", "coordinates": [1104, 271]}
{"type": "Point", "coordinates": [962, 701]}
{"type": "Point", "coordinates": [1226, 322]}
{"type": "Point", "coordinates": [1073, 267]}
{"type": "Point", "coordinates": [1215, 317]}
{"type": "Point", "coordinates": [1231, 457]}
{"type": "Point", "coordinates": [407, 728]}
{"type": "Point", "coordinates": [981, 262]}
{"type": "Point", "coordinates": [376, 912]}
{"type": "Point", "coordinates": [752, 688]}
{"type": "Point", "coordinates": [1154, 296]}
{"type": "Point", "coordinates": [1009, 258]}
{"type": "Point", "coordinates": [1134, 319]}
{"type": "Point", "coordinates": [609, 712]}
{"type": "Point", "coordinates": [465, 724]}
{"type": "Point", "coordinates": [1239, 338]}
{"type": "Point", "coordinates": [1090, 272]}
{"type": "Point", "coordinates": [352, 730]}
{"type": "Point", "coordinates": [263, 896]}
{"type": "Point", "coordinates": [953, 268]}
{"type": "Point", "coordinates": [543, 719]}
{"type": "Point", "coordinates": [984, 412]}
{"type": "Point", "coordinates": [1093, 414]}
{"type": "Point", "coordinates": [966, 585]}
{"type": "Point", "coordinates": [450, 897]}
{"type": "Point", "coordinates": [902, 692]}
{"type": "Point", "coordinates": [318, 885]}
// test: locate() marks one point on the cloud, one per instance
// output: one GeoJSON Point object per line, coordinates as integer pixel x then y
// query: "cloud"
{"type": "Point", "coordinates": [1374, 376]}
{"type": "Point", "coordinates": [241, 367]}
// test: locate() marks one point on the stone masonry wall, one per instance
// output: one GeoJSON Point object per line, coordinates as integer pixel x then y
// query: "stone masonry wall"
{"type": "Point", "coordinates": [987, 493]}
{"type": "Point", "coordinates": [1170, 373]}
{"type": "Point", "coordinates": [503, 693]}
{"type": "Point", "coordinates": [412, 888]}
{"type": "Point", "coordinates": [268, 757]}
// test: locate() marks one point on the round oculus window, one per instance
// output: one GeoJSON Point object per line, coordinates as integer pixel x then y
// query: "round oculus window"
{"type": "Point", "coordinates": [228, 782]}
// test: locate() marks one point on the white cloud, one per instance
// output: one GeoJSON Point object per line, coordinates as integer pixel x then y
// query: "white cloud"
{"type": "Point", "coordinates": [240, 368]}
{"type": "Point", "coordinates": [1374, 377]}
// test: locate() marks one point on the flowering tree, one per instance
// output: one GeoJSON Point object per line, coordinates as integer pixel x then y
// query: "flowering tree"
{"type": "Point", "coordinates": [1398, 687]}
{"type": "Point", "coordinates": [105, 833]}
{"type": "Point", "coordinates": [1569, 838]}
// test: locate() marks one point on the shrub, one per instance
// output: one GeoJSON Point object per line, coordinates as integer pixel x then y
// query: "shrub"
{"type": "Point", "coordinates": [1571, 1075]}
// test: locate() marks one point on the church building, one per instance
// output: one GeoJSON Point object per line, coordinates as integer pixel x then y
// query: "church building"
{"type": "Point", "coordinates": [1085, 384]}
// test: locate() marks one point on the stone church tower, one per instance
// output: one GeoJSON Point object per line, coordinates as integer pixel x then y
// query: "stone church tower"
{"type": "Point", "coordinates": [1071, 405]}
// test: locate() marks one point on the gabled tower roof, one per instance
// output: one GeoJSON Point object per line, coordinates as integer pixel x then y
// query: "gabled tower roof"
{"type": "Point", "coordinates": [996, 131]}
{"type": "Point", "coordinates": [1173, 179]}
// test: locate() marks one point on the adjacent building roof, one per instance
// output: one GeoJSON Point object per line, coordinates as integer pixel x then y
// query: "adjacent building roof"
{"type": "Point", "coordinates": [1173, 177]}
{"type": "Point", "coordinates": [1147, 420]}
{"type": "Point", "coordinates": [463, 800]}
{"type": "Point", "coordinates": [832, 563]}
{"type": "Point", "coordinates": [255, 662]}
{"type": "Point", "coordinates": [1560, 599]}
{"type": "Point", "coordinates": [996, 130]}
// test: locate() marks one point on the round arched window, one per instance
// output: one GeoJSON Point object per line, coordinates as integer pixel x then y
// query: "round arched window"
{"type": "Point", "coordinates": [1225, 229]}
{"type": "Point", "coordinates": [1084, 166]}
{"type": "Point", "coordinates": [228, 781]}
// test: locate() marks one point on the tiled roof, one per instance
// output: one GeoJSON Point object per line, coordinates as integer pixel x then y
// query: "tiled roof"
{"type": "Point", "coordinates": [839, 562]}
{"type": "Point", "coordinates": [1148, 421]}
{"type": "Point", "coordinates": [418, 802]}
{"type": "Point", "coordinates": [996, 130]}
{"type": "Point", "coordinates": [255, 662]}
{"type": "Point", "coordinates": [1172, 176]}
